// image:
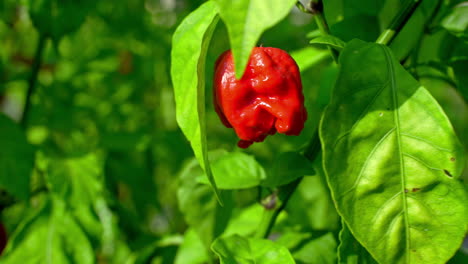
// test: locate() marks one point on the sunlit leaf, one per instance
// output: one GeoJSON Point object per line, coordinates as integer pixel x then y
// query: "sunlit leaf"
{"type": "Point", "coordinates": [189, 47]}
{"type": "Point", "coordinates": [191, 250]}
{"type": "Point", "coordinates": [393, 161]}
{"type": "Point", "coordinates": [246, 20]}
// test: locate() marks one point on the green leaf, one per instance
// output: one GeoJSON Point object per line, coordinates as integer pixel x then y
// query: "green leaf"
{"type": "Point", "coordinates": [235, 170]}
{"type": "Point", "coordinates": [287, 167]}
{"type": "Point", "coordinates": [199, 206]}
{"type": "Point", "coordinates": [52, 236]}
{"type": "Point", "coordinates": [330, 41]}
{"type": "Point", "coordinates": [246, 20]}
{"type": "Point", "coordinates": [237, 249]}
{"type": "Point", "coordinates": [350, 251]}
{"type": "Point", "coordinates": [189, 47]}
{"type": "Point", "coordinates": [459, 69]}
{"type": "Point", "coordinates": [191, 250]}
{"type": "Point", "coordinates": [318, 250]}
{"type": "Point", "coordinates": [246, 222]}
{"type": "Point", "coordinates": [311, 204]}
{"type": "Point", "coordinates": [308, 57]}
{"type": "Point", "coordinates": [392, 160]}
{"type": "Point", "coordinates": [16, 158]}
{"type": "Point", "coordinates": [78, 180]}
{"type": "Point", "coordinates": [457, 21]}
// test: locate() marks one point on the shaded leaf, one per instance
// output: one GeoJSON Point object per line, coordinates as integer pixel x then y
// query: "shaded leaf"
{"type": "Point", "coordinates": [287, 167]}
{"type": "Point", "coordinates": [392, 159]}
{"type": "Point", "coordinates": [199, 206]}
{"type": "Point", "coordinates": [16, 158]}
{"type": "Point", "coordinates": [459, 69]}
{"type": "Point", "coordinates": [363, 27]}
{"type": "Point", "coordinates": [53, 236]}
{"type": "Point", "coordinates": [78, 180]}
{"type": "Point", "coordinates": [237, 249]}
{"type": "Point", "coordinates": [246, 20]}
{"type": "Point", "coordinates": [235, 170]}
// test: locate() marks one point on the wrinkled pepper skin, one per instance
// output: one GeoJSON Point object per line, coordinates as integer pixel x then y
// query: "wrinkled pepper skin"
{"type": "Point", "coordinates": [267, 99]}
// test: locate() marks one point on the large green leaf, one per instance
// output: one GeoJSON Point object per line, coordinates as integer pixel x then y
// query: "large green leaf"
{"type": "Point", "coordinates": [189, 47]}
{"type": "Point", "coordinates": [16, 158]}
{"type": "Point", "coordinates": [237, 249]}
{"type": "Point", "coordinates": [392, 160]}
{"type": "Point", "coordinates": [246, 20]}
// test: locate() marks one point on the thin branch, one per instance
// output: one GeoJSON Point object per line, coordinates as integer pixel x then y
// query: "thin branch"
{"type": "Point", "coordinates": [32, 81]}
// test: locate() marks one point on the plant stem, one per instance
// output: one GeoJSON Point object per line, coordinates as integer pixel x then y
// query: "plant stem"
{"type": "Point", "coordinates": [280, 198]}
{"type": "Point", "coordinates": [398, 22]}
{"type": "Point", "coordinates": [316, 7]}
{"type": "Point", "coordinates": [271, 214]}
{"type": "Point", "coordinates": [32, 81]}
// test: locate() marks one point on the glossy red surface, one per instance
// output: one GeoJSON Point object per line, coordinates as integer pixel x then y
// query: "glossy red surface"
{"type": "Point", "coordinates": [267, 99]}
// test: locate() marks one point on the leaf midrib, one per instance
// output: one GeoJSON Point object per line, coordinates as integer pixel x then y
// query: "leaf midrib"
{"type": "Point", "coordinates": [393, 87]}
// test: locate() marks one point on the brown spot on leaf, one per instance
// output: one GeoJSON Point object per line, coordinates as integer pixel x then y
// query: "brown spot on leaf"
{"type": "Point", "coordinates": [448, 173]}
{"type": "Point", "coordinates": [415, 189]}
{"type": "Point", "coordinates": [452, 159]}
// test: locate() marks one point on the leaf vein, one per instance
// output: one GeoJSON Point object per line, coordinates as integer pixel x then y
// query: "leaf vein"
{"type": "Point", "coordinates": [364, 166]}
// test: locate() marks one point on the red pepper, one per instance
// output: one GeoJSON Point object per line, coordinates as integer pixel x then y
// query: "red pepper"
{"type": "Point", "coordinates": [267, 99]}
